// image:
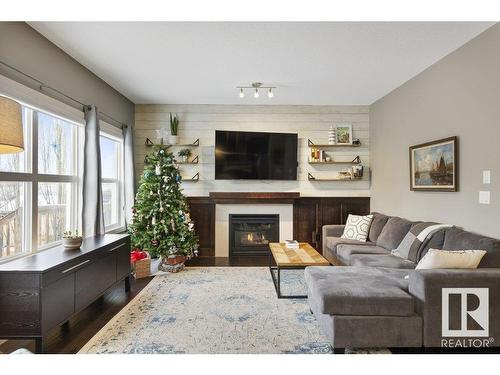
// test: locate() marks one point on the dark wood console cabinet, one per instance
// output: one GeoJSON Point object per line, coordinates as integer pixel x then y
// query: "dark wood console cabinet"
{"type": "Point", "coordinates": [42, 291]}
{"type": "Point", "coordinates": [310, 214]}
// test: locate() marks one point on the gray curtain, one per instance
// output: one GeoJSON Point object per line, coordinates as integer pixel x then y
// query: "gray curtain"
{"type": "Point", "coordinates": [129, 182]}
{"type": "Point", "coordinates": [92, 210]}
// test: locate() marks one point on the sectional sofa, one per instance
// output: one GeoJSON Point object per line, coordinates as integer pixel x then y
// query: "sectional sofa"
{"type": "Point", "coordinates": [372, 298]}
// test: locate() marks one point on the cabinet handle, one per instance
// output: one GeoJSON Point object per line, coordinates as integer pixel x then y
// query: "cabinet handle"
{"type": "Point", "coordinates": [114, 248]}
{"type": "Point", "coordinates": [78, 265]}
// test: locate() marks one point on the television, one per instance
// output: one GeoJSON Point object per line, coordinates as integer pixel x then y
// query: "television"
{"type": "Point", "coordinates": [255, 156]}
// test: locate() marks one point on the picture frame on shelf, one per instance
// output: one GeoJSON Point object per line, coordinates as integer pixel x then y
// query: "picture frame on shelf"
{"type": "Point", "coordinates": [434, 165]}
{"type": "Point", "coordinates": [343, 134]}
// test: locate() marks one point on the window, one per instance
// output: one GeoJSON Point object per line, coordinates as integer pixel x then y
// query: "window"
{"type": "Point", "coordinates": [111, 142]}
{"type": "Point", "coordinates": [39, 187]}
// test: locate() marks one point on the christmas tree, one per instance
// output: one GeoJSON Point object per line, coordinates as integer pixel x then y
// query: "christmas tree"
{"type": "Point", "coordinates": [161, 224]}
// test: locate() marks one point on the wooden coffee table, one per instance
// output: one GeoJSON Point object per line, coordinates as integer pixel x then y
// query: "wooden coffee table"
{"type": "Point", "coordinates": [292, 259]}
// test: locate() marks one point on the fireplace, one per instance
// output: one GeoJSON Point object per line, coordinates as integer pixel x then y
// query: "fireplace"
{"type": "Point", "coordinates": [250, 235]}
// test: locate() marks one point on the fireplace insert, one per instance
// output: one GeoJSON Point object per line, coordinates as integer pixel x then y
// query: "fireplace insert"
{"type": "Point", "coordinates": [250, 235]}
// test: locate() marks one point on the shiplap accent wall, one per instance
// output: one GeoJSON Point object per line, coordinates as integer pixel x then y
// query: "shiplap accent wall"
{"type": "Point", "coordinates": [309, 122]}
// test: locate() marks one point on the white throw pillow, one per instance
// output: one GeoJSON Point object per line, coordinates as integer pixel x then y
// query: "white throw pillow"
{"type": "Point", "coordinates": [450, 259]}
{"type": "Point", "coordinates": [357, 227]}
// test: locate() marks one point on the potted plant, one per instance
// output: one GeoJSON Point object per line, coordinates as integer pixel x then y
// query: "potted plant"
{"type": "Point", "coordinates": [174, 127]}
{"type": "Point", "coordinates": [184, 154]}
{"type": "Point", "coordinates": [72, 240]}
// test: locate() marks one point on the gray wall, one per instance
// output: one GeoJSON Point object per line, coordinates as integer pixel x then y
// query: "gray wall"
{"type": "Point", "coordinates": [459, 95]}
{"type": "Point", "coordinates": [27, 50]}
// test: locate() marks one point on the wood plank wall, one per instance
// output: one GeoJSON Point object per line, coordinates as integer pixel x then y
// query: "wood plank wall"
{"type": "Point", "coordinates": [313, 122]}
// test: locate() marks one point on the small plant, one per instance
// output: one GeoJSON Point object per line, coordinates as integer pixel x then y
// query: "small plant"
{"type": "Point", "coordinates": [186, 152]}
{"type": "Point", "coordinates": [174, 124]}
{"type": "Point", "coordinates": [72, 235]}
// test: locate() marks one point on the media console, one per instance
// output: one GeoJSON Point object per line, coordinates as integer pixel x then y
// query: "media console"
{"type": "Point", "coordinates": [42, 291]}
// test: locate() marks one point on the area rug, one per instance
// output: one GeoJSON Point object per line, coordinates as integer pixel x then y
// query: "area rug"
{"type": "Point", "coordinates": [214, 310]}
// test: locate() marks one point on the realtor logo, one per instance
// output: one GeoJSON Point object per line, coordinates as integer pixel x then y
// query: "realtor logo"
{"type": "Point", "coordinates": [465, 312]}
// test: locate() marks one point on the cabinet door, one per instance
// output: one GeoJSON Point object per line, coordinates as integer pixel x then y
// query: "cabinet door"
{"type": "Point", "coordinates": [58, 302]}
{"type": "Point", "coordinates": [94, 279]}
{"type": "Point", "coordinates": [123, 267]}
{"type": "Point", "coordinates": [203, 215]}
{"type": "Point", "coordinates": [306, 221]}
{"type": "Point", "coordinates": [355, 206]}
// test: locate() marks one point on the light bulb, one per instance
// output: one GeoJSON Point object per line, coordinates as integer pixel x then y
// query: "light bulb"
{"type": "Point", "coordinates": [270, 93]}
{"type": "Point", "coordinates": [242, 94]}
{"type": "Point", "coordinates": [256, 93]}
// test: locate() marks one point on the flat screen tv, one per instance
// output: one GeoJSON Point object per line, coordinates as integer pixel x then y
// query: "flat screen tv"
{"type": "Point", "coordinates": [255, 156]}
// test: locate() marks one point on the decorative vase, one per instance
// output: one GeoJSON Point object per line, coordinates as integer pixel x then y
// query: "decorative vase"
{"type": "Point", "coordinates": [331, 136]}
{"type": "Point", "coordinates": [173, 139]}
{"type": "Point", "coordinates": [72, 243]}
{"type": "Point", "coordinates": [172, 263]}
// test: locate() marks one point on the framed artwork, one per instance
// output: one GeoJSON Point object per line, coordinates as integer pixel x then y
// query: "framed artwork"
{"type": "Point", "coordinates": [434, 166]}
{"type": "Point", "coordinates": [343, 134]}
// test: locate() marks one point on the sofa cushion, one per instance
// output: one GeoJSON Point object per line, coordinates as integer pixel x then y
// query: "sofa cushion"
{"type": "Point", "coordinates": [344, 252]}
{"type": "Point", "coordinates": [359, 291]}
{"type": "Point", "coordinates": [333, 242]}
{"type": "Point", "coordinates": [357, 227]}
{"type": "Point", "coordinates": [459, 239]}
{"type": "Point", "coordinates": [380, 260]}
{"type": "Point", "coordinates": [435, 242]}
{"type": "Point", "coordinates": [378, 223]}
{"type": "Point", "coordinates": [393, 232]}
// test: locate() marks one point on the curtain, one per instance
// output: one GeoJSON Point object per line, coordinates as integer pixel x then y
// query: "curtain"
{"type": "Point", "coordinates": [92, 209]}
{"type": "Point", "coordinates": [129, 182]}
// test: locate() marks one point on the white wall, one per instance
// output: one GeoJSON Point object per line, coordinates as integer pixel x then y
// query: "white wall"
{"type": "Point", "coordinates": [201, 121]}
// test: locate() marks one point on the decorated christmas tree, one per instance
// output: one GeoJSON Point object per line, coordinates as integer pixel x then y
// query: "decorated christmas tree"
{"type": "Point", "coordinates": [161, 223]}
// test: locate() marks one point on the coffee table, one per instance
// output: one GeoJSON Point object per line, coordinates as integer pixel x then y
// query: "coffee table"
{"type": "Point", "coordinates": [292, 259]}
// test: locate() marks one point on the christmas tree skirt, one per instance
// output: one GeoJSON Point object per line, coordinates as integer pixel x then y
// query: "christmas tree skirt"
{"type": "Point", "coordinates": [214, 310]}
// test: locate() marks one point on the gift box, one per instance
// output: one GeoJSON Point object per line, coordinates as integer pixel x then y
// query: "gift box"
{"type": "Point", "coordinates": [141, 264]}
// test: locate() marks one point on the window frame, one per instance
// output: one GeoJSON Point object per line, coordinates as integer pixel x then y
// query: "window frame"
{"type": "Point", "coordinates": [35, 102]}
{"type": "Point", "coordinates": [115, 134]}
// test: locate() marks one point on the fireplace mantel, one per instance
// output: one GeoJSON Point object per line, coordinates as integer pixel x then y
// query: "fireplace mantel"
{"type": "Point", "coordinates": [254, 197]}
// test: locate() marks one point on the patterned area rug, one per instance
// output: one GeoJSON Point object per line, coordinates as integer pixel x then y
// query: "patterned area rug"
{"type": "Point", "coordinates": [214, 310]}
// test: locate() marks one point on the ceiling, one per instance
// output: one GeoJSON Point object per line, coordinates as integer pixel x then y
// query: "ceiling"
{"type": "Point", "coordinates": [311, 63]}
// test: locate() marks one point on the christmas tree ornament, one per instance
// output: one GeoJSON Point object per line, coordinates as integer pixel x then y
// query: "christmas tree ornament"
{"type": "Point", "coordinates": [158, 170]}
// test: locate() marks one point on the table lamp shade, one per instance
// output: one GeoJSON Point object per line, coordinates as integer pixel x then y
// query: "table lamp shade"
{"type": "Point", "coordinates": [11, 126]}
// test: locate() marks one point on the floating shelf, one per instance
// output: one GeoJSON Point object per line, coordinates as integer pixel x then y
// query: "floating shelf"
{"type": "Point", "coordinates": [195, 160]}
{"type": "Point", "coordinates": [356, 160]}
{"type": "Point", "coordinates": [311, 144]}
{"type": "Point", "coordinates": [310, 177]}
{"type": "Point", "coordinates": [195, 178]}
{"type": "Point", "coordinates": [150, 143]}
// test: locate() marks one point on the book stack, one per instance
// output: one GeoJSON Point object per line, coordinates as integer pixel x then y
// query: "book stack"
{"type": "Point", "coordinates": [317, 155]}
{"type": "Point", "coordinates": [291, 244]}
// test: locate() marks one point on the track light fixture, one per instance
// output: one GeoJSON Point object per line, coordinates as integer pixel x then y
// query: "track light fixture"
{"type": "Point", "coordinates": [256, 86]}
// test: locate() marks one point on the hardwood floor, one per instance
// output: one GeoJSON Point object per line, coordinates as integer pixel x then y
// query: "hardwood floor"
{"type": "Point", "coordinates": [71, 337]}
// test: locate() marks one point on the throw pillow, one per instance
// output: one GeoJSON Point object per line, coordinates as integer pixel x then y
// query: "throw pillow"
{"type": "Point", "coordinates": [415, 238]}
{"type": "Point", "coordinates": [450, 259]}
{"type": "Point", "coordinates": [357, 227]}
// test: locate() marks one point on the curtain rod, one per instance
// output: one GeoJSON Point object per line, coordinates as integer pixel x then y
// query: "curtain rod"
{"type": "Point", "coordinates": [42, 86]}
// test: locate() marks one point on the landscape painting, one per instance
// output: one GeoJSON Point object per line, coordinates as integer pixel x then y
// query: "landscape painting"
{"type": "Point", "coordinates": [434, 165]}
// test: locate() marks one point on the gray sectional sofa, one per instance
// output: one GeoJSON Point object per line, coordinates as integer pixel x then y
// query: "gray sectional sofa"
{"type": "Point", "coordinates": [372, 298]}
